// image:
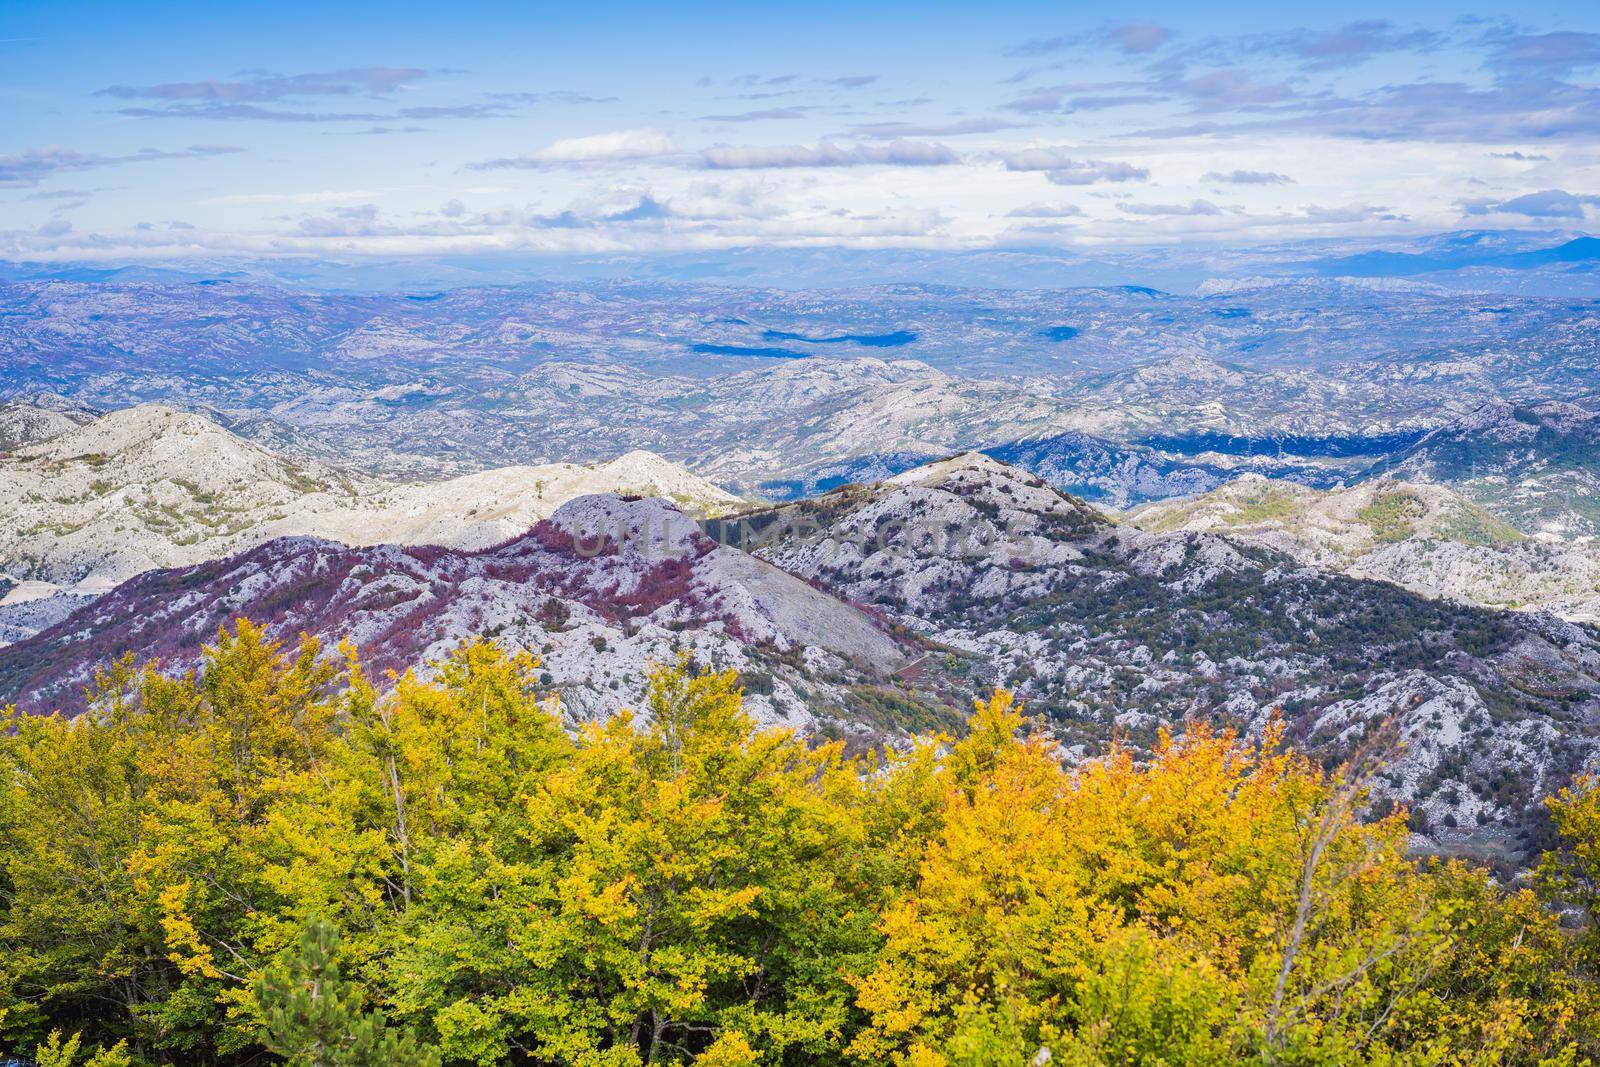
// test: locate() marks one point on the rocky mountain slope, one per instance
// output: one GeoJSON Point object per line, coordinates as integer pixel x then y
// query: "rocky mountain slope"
{"type": "Point", "coordinates": [1105, 627]}
{"type": "Point", "coordinates": [150, 486]}
{"type": "Point", "coordinates": [600, 590]}
{"type": "Point", "coordinates": [1423, 536]}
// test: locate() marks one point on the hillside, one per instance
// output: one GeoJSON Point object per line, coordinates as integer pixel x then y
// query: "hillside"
{"type": "Point", "coordinates": [1536, 465]}
{"type": "Point", "coordinates": [1330, 526]}
{"type": "Point", "coordinates": [148, 487]}
{"type": "Point", "coordinates": [1106, 628]}
{"type": "Point", "coordinates": [1423, 536]}
{"type": "Point", "coordinates": [39, 417]}
{"type": "Point", "coordinates": [601, 590]}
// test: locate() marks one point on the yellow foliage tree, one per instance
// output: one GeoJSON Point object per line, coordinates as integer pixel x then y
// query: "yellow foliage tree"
{"type": "Point", "coordinates": [681, 886]}
{"type": "Point", "coordinates": [1215, 903]}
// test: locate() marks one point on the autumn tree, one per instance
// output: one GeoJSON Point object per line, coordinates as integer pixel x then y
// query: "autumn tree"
{"type": "Point", "coordinates": [683, 887]}
{"type": "Point", "coordinates": [281, 858]}
{"type": "Point", "coordinates": [1221, 902]}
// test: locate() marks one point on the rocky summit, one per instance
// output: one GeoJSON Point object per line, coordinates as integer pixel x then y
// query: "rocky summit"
{"type": "Point", "coordinates": [148, 487]}
{"type": "Point", "coordinates": [600, 590]}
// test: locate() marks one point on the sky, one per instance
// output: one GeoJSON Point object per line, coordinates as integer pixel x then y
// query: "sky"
{"type": "Point", "coordinates": [137, 131]}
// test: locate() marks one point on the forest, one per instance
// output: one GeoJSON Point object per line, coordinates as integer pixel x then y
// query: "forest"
{"type": "Point", "coordinates": [279, 859]}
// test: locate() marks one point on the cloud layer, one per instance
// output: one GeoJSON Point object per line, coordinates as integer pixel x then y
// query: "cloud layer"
{"type": "Point", "coordinates": [1071, 129]}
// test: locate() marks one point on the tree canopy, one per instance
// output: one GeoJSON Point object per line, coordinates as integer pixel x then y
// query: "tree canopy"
{"type": "Point", "coordinates": [275, 859]}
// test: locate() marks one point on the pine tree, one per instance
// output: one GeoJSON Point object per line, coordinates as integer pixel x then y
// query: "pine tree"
{"type": "Point", "coordinates": [315, 1018]}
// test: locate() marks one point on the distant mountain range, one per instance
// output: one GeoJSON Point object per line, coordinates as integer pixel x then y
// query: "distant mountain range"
{"type": "Point", "coordinates": [1119, 476]}
{"type": "Point", "coordinates": [1460, 255]}
{"type": "Point", "coordinates": [1541, 260]}
{"type": "Point", "coordinates": [778, 392]}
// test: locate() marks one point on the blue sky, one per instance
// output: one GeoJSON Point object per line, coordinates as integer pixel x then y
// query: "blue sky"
{"type": "Point", "coordinates": [132, 131]}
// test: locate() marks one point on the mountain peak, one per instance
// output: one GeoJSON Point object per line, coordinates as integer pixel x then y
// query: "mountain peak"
{"type": "Point", "coordinates": [644, 473]}
{"type": "Point", "coordinates": [634, 579]}
{"type": "Point", "coordinates": [1498, 417]}
{"type": "Point", "coordinates": [650, 527]}
{"type": "Point", "coordinates": [154, 486]}
{"type": "Point", "coordinates": [963, 463]}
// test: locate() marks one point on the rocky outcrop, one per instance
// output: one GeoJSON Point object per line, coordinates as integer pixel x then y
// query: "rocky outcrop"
{"type": "Point", "coordinates": [1110, 629]}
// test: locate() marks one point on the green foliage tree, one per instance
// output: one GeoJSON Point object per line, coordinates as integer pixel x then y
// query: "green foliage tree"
{"type": "Point", "coordinates": [313, 1017]}
{"type": "Point", "coordinates": [675, 887]}
{"type": "Point", "coordinates": [57, 1051]}
{"type": "Point", "coordinates": [76, 929]}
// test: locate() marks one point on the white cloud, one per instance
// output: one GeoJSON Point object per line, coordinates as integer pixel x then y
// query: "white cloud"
{"type": "Point", "coordinates": [1046, 211]}
{"type": "Point", "coordinates": [1090, 171]}
{"type": "Point", "coordinates": [29, 167]}
{"type": "Point", "coordinates": [1046, 158]}
{"type": "Point", "coordinates": [1247, 177]}
{"type": "Point", "coordinates": [1347, 213]}
{"type": "Point", "coordinates": [1193, 207]}
{"type": "Point", "coordinates": [827, 154]}
{"type": "Point", "coordinates": [597, 148]}
{"type": "Point", "coordinates": [321, 196]}
{"type": "Point", "coordinates": [1137, 38]}
{"type": "Point", "coordinates": [956, 128]}
{"type": "Point", "coordinates": [846, 190]}
{"type": "Point", "coordinates": [1062, 167]}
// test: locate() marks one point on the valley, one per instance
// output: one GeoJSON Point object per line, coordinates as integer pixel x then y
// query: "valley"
{"type": "Point", "coordinates": [418, 385]}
